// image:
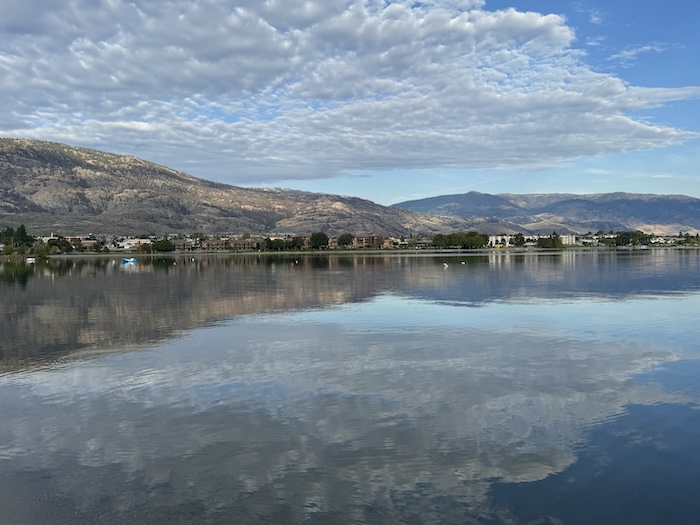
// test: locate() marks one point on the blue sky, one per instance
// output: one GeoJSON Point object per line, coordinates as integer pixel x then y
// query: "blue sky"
{"type": "Point", "coordinates": [383, 100]}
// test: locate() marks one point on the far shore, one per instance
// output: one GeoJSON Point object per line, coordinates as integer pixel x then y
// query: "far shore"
{"type": "Point", "coordinates": [17, 258]}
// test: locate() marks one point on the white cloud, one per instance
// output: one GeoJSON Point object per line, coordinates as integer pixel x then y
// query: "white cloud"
{"type": "Point", "coordinates": [595, 41]}
{"type": "Point", "coordinates": [630, 54]}
{"type": "Point", "coordinates": [259, 91]}
{"type": "Point", "coordinates": [594, 15]}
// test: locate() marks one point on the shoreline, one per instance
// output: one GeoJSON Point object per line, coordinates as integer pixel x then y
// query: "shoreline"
{"type": "Point", "coordinates": [18, 259]}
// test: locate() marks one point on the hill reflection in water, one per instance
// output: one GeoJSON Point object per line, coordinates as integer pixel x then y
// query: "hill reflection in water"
{"type": "Point", "coordinates": [76, 304]}
{"type": "Point", "coordinates": [369, 389]}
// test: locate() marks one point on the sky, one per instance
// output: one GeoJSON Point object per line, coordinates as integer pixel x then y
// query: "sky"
{"type": "Point", "coordinates": [384, 100]}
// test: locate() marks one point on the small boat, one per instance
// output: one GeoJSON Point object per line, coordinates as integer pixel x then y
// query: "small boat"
{"type": "Point", "coordinates": [130, 260]}
{"type": "Point", "coordinates": [30, 260]}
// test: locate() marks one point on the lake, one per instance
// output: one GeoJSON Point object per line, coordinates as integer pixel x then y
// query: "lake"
{"type": "Point", "coordinates": [491, 388]}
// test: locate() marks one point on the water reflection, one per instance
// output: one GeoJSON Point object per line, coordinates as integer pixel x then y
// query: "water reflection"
{"type": "Point", "coordinates": [387, 401]}
{"type": "Point", "coordinates": [68, 305]}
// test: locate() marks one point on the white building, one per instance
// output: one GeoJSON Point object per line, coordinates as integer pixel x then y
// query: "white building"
{"type": "Point", "coordinates": [507, 240]}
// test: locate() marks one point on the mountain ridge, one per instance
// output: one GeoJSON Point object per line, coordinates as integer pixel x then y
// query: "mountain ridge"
{"type": "Point", "coordinates": [51, 186]}
{"type": "Point", "coordinates": [572, 213]}
{"type": "Point", "coordinates": [54, 187]}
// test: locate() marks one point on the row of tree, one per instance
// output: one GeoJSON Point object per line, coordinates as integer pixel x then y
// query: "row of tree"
{"type": "Point", "coordinates": [19, 241]}
{"type": "Point", "coordinates": [16, 238]}
{"type": "Point", "coordinates": [469, 240]}
{"type": "Point", "coordinates": [317, 241]}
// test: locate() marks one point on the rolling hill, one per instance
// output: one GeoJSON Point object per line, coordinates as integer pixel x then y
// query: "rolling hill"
{"type": "Point", "coordinates": [55, 187]}
{"type": "Point", "coordinates": [568, 213]}
{"type": "Point", "coordinates": [51, 187]}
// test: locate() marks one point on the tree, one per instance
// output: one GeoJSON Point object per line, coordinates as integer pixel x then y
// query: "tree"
{"type": "Point", "coordinates": [319, 240]}
{"type": "Point", "coordinates": [278, 244]}
{"type": "Point", "coordinates": [631, 238]}
{"type": "Point", "coordinates": [345, 240]}
{"type": "Point", "coordinates": [553, 241]}
{"type": "Point", "coordinates": [22, 237]}
{"type": "Point", "coordinates": [469, 240]}
{"type": "Point", "coordinates": [518, 239]}
{"type": "Point", "coordinates": [475, 240]}
{"type": "Point", "coordinates": [440, 240]}
{"type": "Point", "coordinates": [60, 245]}
{"type": "Point", "coordinates": [7, 236]}
{"type": "Point", "coordinates": [164, 245]}
{"type": "Point", "coordinates": [457, 240]}
{"type": "Point", "coordinates": [19, 237]}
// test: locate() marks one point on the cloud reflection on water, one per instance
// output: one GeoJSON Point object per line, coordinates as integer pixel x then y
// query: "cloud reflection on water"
{"type": "Point", "coordinates": [366, 389]}
{"type": "Point", "coordinates": [305, 403]}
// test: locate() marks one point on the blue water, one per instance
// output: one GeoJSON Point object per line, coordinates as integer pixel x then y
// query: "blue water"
{"type": "Point", "coordinates": [504, 388]}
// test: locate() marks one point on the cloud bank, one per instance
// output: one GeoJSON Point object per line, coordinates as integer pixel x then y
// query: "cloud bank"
{"type": "Point", "coordinates": [264, 91]}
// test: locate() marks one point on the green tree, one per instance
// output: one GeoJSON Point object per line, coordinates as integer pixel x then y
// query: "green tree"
{"type": "Point", "coordinates": [551, 242]}
{"type": "Point", "coordinates": [474, 240]}
{"type": "Point", "coordinates": [61, 245]}
{"type": "Point", "coordinates": [345, 240]}
{"type": "Point", "coordinates": [19, 237]}
{"type": "Point", "coordinates": [440, 240]}
{"type": "Point", "coordinates": [633, 238]}
{"type": "Point", "coordinates": [164, 245]}
{"type": "Point", "coordinates": [469, 240]}
{"type": "Point", "coordinates": [456, 240]}
{"type": "Point", "coordinates": [22, 237]}
{"type": "Point", "coordinates": [319, 240]}
{"type": "Point", "coordinates": [297, 243]}
{"type": "Point", "coordinates": [518, 240]}
{"type": "Point", "coordinates": [7, 236]}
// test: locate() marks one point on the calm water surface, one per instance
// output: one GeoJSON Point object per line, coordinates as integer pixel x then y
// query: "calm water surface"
{"type": "Point", "coordinates": [558, 388]}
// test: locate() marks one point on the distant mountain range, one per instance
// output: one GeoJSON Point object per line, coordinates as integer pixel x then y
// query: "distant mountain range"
{"type": "Point", "coordinates": [568, 213]}
{"type": "Point", "coordinates": [51, 187]}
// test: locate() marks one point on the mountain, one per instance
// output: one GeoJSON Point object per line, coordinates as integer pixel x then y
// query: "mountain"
{"type": "Point", "coordinates": [68, 190]}
{"type": "Point", "coordinates": [52, 187]}
{"type": "Point", "coordinates": [568, 213]}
